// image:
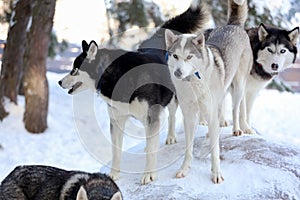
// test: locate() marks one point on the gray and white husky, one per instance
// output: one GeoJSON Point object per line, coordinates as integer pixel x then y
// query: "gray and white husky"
{"type": "Point", "coordinates": [135, 84]}
{"type": "Point", "coordinates": [38, 182]}
{"type": "Point", "coordinates": [274, 49]}
{"type": "Point", "coordinates": [202, 70]}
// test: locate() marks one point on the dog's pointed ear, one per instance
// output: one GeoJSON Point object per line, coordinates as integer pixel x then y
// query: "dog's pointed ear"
{"type": "Point", "coordinates": [262, 32]}
{"type": "Point", "coordinates": [294, 35]}
{"type": "Point", "coordinates": [199, 40]}
{"type": "Point", "coordinates": [170, 38]}
{"type": "Point", "coordinates": [117, 196]}
{"type": "Point", "coordinates": [92, 50]}
{"type": "Point", "coordinates": [85, 46]}
{"type": "Point", "coordinates": [93, 42]}
{"type": "Point", "coordinates": [81, 194]}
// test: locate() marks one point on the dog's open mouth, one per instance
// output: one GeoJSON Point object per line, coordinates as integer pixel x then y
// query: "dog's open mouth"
{"type": "Point", "coordinates": [74, 87]}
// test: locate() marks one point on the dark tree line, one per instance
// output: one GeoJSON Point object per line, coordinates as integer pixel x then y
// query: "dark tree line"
{"type": "Point", "coordinates": [24, 61]}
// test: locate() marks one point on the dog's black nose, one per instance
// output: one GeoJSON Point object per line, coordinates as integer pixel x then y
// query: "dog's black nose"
{"type": "Point", "coordinates": [59, 83]}
{"type": "Point", "coordinates": [274, 66]}
{"type": "Point", "coordinates": [178, 73]}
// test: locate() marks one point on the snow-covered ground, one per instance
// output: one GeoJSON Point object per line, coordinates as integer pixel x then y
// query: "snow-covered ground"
{"type": "Point", "coordinates": [258, 167]}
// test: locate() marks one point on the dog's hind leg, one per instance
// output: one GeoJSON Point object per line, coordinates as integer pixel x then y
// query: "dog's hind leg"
{"type": "Point", "coordinates": [222, 119]}
{"type": "Point", "coordinates": [237, 90]}
{"type": "Point", "coordinates": [214, 135]}
{"type": "Point", "coordinates": [237, 96]}
{"type": "Point", "coordinates": [117, 125]}
{"type": "Point", "coordinates": [243, 118]}
{"type": "Point", "coordinates": [152, 126]}
{"type": "Point", "coordinates": [172, 107]}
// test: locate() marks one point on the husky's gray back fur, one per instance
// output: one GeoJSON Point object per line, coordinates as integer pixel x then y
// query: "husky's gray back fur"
{"type": "Point", "coordinates": [230, 40]}
{"type": "Point", "coordinates": [50, 183]}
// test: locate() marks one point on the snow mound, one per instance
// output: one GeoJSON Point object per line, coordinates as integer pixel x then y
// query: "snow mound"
{"type": "Point", "coordinates": [253, 168]}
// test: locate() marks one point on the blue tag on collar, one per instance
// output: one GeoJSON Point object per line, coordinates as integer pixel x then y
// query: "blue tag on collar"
{"type": "Point", "coordinates": [167, 56]}
{"type": "Point", "coordinates": [197, 75]}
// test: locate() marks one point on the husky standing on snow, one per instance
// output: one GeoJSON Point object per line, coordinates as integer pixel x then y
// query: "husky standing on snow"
{"type": "Point", "coordinates": [135, 84]}
{"type": "Point", "coordinates": [202, 70]}
{"type": "Point", "coordinates": [37, 182]}
{"type": "Point", "coordinates": [274, 49]}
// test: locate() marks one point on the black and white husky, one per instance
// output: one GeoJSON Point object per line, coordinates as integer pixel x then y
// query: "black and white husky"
{"type": "Point", "coordinates": [274, 49]}
{"type": "Point", "coordinates": [135, 84]}
{"type": "Point", "coordinates": [202, 70]}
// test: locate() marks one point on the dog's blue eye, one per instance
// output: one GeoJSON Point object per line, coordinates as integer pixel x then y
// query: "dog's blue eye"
{"type": "Point", "coordinates": [282, 51]}
{"type": "Point", "coordinates": [175, 56]}
{"type": "Point", "coordinates": [270, 50]}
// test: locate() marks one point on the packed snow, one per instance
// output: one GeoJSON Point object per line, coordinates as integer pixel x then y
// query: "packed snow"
{"type": "Point", "coordinates": [259, 166]}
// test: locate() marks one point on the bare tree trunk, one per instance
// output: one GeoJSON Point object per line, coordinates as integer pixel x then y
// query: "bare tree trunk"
{"type": "Point", "coordinates": [35, 81]}
{"type": "Point", "coordinates": [3, 112]}
{"type": "Point", "coordinates": [12, 61]}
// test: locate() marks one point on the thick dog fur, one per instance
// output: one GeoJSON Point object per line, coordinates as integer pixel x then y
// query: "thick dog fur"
{"type": "Point", "coordinates": [202, 71]}
{"type": "Point", "coordinates": [274, 49]}
{"type": "Point", "coordinates": [135, 84]}
{"type": "Point", "coordinates": [50, 183]}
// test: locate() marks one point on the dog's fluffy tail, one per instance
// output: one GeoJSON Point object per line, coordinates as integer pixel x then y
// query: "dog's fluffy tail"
{"type": "Point", "coordinates": [196, 17]}
{"type": "Point", "coordinates": [237, 12]}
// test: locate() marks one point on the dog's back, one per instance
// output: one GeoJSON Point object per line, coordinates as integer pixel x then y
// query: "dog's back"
{"type": "Point", "coordinates": [50, 183]}
{"type": "Point", "coordinates": [233, 44]}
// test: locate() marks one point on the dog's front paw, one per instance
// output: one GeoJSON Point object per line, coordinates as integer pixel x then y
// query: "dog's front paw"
{"type": "Point", "coordinates": [217, 177]}
{"type": "Point", "coordinates": [114, 174]}
{"type": "Point", "coordinates": [250, 131]}
{"type": "Point", "coordinates": [224, 123]}
{"type": "Point", "coordinates": [237, 132]}
{"type": "Point", "coordinates": [148, 177]}
{"type": "Point", "coordinates": [182, 173]}
{"type": "Point", "coordinates": [171, 140]}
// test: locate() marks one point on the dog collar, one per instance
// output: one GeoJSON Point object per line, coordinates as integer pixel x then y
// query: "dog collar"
{"type": "Point", "coordinates": [167, 56]}
{"type": "Point", "coordinates": [197, 75]}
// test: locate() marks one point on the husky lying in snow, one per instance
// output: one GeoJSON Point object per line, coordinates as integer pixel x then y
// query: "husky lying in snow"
{"type": "Point", "coordinates": [202, 70]}
{"type": "Point", "coordinates": [34, 182]}
{"type": "Point", "coordinates": [135, 84]}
